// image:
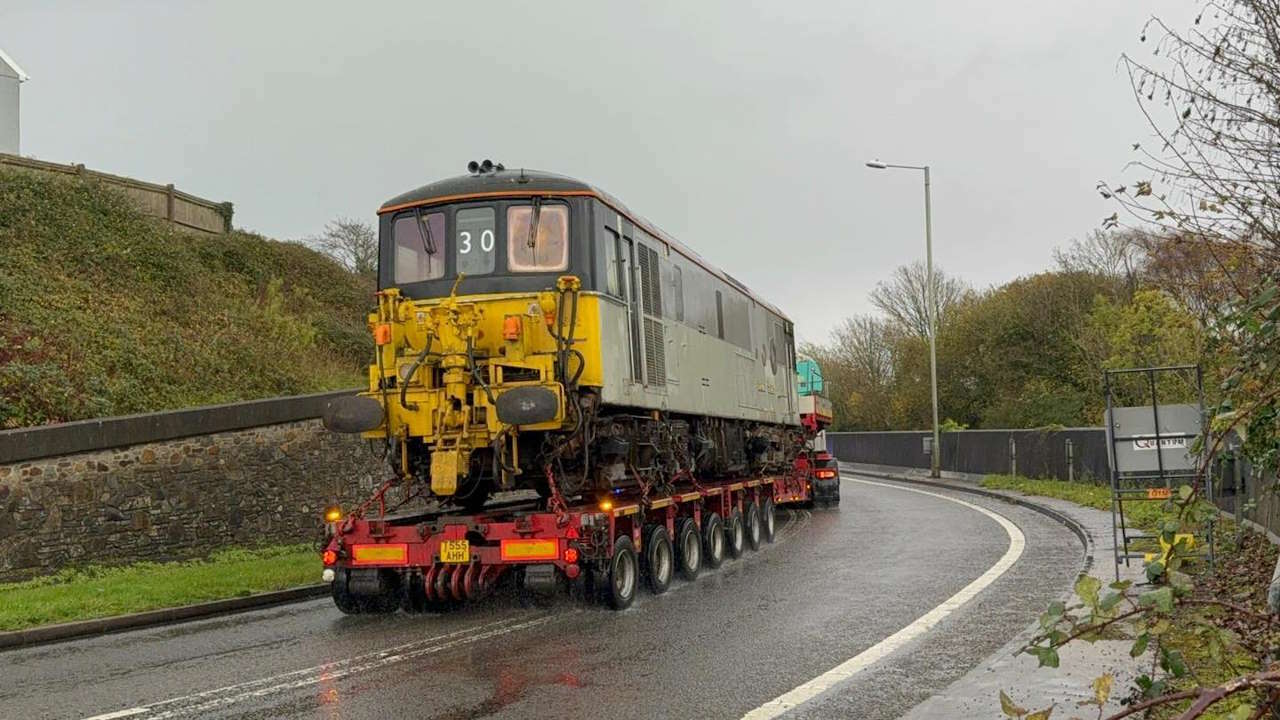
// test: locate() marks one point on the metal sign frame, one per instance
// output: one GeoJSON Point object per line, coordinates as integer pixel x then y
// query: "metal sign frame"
{"type": "Point", "coordinates": [1141, 484]}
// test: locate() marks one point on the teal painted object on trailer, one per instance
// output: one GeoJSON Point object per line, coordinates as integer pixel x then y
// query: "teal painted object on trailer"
{"type": "Point", "coordinates": [809, 375]}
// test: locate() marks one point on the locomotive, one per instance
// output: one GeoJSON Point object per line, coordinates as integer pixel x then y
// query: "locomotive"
{"type": "Point", "coordinates": [531, 332]}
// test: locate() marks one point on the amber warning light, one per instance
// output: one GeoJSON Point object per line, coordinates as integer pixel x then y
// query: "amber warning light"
{"type": "Point", "coordinates": [382, 333]}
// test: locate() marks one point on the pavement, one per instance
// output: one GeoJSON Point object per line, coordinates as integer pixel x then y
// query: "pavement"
{"type": "Point", "coordinates": [846, 588]}
{"type": "Point", "coordinates": [1064, 688]}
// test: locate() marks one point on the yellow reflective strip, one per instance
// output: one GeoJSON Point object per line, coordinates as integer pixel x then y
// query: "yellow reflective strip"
{"type": "Point", "coordinates": [529, 549]}
{"type": "Point", "coordinates": [379, 553]}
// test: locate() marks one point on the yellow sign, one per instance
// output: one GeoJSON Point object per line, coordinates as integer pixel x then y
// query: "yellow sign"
{"type": "Point", "coordinates": [1159, 493]}
{"type": "Point", "coordinates": [455, 551]}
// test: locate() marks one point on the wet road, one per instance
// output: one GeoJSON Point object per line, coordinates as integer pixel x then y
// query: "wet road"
{"type": "Point", "coordinates": [834, 586]}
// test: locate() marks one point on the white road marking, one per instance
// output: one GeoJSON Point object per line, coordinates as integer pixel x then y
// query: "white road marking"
{"type": "Point", "coordinates": [865, 659]}
{"type": "Point", "coordinates": [198, 703]}
{"type": "Point", "coordinates": [119, 714]}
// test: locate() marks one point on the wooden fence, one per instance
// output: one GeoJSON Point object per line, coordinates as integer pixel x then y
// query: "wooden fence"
{"type": "Point", "coordinates": [180, 209]}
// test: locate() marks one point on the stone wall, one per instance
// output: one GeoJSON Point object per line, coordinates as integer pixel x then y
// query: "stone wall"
{"type": "Point", "coordinates": [179, 497]}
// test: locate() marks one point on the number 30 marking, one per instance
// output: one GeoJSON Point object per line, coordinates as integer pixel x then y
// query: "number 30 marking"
{"type": "Point", "coordinates": [486, 241]}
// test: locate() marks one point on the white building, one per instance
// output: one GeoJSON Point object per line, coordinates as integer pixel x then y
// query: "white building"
{"type": "Point", "coordinates": [11, 76]}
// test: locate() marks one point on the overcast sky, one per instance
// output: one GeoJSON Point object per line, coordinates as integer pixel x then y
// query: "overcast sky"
{"type": "Point", "coordinates": [740, 128]}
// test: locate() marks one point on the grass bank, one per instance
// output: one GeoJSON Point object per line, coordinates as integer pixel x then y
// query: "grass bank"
{"type": "Point", "coordinates": [96, 592]}
{"type": "Point", "coordinates": [105, 311]}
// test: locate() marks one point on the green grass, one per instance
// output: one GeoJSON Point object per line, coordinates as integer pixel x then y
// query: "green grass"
{"type": "Point", "coordinates": [107, 312]}
{"type": "Point", "coordinates": [95, 592]}
{"type": "Point", "coordinates": [1142, 514]}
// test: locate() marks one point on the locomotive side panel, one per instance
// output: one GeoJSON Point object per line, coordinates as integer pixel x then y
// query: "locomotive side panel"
{"type": "Point", "coordinates": [677, 338]}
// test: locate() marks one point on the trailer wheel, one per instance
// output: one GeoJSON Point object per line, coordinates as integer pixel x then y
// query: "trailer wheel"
{"type": "Point", "coordinates": [767, 513]}
{"type": "Point", "coordinates": [623, 574]}
{"type": "Point", "coordinates": [712, 540]}
{"type": "Point", "coordinates": [347, 603]}
{"type": "Point", "coordinates": [752, 523]}
{"type": "Point", "coordinates": [659, 559]}
{"type": "Point", "coordinates": [735, 534]}
{"type": "Point", "coordinates": [690, 546]}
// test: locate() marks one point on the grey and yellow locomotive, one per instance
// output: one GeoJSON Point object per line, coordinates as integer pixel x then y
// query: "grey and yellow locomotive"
{"type": "Point", "coordinates": [531, 332]}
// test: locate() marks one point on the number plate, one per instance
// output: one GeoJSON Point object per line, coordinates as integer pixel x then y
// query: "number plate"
{"type": "Point", "coordinates": [455, 551]}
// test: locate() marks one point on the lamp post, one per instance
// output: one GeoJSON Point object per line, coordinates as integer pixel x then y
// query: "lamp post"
{"type": "Point", "coordinates": [934, 457]}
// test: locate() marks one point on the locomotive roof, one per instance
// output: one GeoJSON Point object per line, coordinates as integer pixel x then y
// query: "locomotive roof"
{"type": "Point", "coordinates": [526, 182]}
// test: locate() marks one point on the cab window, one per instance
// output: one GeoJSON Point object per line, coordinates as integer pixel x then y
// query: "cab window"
{"type": "Point", "coordinates": [474, 240]}
{"type": "Point", "coordinates": [419, 247]}
{"type": "Point", "coordinates": [546, 249]}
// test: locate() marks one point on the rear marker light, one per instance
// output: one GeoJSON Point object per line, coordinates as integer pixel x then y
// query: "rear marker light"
{"type": "Point", "coordinates": [329, 557]}
{"type": "Point", "coordinates": [571, 555]}
{"type": "Point", "coordinates": [382, 333]}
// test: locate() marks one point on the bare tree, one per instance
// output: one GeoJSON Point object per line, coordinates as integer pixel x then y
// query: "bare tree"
{"type": "Point", "coordinates": [865, 343]}
{"type": "Point", "coordinates": [351, 242]}
{"type": "Point", "coordinates": [903, 297]}
{"type": "Point", "coordinates": [1117, 255]}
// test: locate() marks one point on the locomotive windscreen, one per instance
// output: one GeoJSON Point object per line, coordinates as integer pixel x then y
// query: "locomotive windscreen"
{"type": "Point", "coordinates": [429, 248]}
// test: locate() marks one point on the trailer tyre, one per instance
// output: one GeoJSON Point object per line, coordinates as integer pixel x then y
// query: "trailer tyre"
{"type": "Point", "coordinates": [624, 574]}
{"type": "Point", "coordinates": [659, 559]}
{"type": "Point", "coordinates": [344, 600]}
{"type": "Point", "coordinates": [735, 534]}
{"type": "Point", "coordinates": [712, 540]}
{"type": "Point", "coordinates": [690, 546]}
{"type": "Point", "coordinates": [752, 522]}
{"type": "Point", "coordinates": [767, 514]}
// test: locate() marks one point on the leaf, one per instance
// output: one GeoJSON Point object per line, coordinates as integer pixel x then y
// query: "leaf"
{"type": "Point", "coordinates": [1041, 714]}
{"type": "Point", "coordinates": [1139, 645]}
{"type": "Point", "coordinates": [1174, 663]}
{"type": "Point", "coordinates": [1155, 569]}
{"type": "Point", "coordinates": [1008, 708]}
{"type": "Point", "coordinates": [1161, 599]}
{"type": "Point", "coordinates": [1047, 656]}
{"type": "Point", "coordinates": [1184, 493]}
{"type": "Point", "coordinates": [1242, 712]}
{"type": "Point", "coordinates": [1102, 688]}
{"type": "Point", "coordinates": [1087, 588]}
{"type": "Point", "coordinates": [1110, 600]}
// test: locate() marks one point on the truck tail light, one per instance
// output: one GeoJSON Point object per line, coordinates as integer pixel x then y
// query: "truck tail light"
{"type": "Point", "coordinates": [329, 557]}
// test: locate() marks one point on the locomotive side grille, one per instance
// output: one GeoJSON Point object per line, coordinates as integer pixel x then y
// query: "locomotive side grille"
{"type": "Point", "coordinates": [655, 353]}
{"type": "Point", "coordinates": [650, 290]}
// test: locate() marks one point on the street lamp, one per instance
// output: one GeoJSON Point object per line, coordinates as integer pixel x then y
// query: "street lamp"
{"type": "Point", "coordinates": [934, 466]}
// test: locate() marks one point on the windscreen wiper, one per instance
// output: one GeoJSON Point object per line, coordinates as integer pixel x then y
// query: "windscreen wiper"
{"type": "Point", "coordinates": [424, 232]}
{"type": "Point", "coordinates": [533, 227]}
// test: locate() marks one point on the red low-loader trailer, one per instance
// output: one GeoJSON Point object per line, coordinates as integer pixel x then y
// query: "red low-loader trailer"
{"type": "Point", "coordinates": [378, 562]}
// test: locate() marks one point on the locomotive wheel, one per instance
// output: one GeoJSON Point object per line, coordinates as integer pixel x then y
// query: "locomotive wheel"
{"type": "Point", "coordinates": [735, 534]}
{"type": "Point", "coordinates": [767, 513]}
{"type": "Point", "coordinates": [751, 521]}
{"type": "Point", "coordinates": [624, 574]}
{"type": "Point", "coordinates": [690, 548]}
{"type": "Point", "coordinates": [712, 540]}
{"type": "Point", "coordinates": [659, 559]}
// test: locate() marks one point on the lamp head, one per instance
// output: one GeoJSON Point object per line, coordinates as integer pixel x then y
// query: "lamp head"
{"type": "Point", "coordinates": [878, 165]}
